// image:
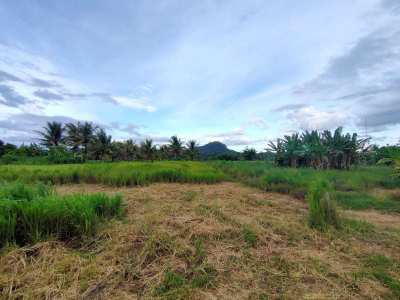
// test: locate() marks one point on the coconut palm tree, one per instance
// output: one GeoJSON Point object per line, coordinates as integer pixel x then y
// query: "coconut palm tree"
{"type": "Point", "coordinates": [87, 131]}
{"type": "Point", "coordinates": [100, 146]}
{"type": "Point", "coordinates": [175, 146]}
{"type": "Point", "coordinates": [148, 149]}
{"type": "Point", "coordinates": [192, 150]}
{"type": "Point", "coordinates": [73, 136]}
{"type": "Point", "coordinates": [163, 152]}
{"type": "Point", "coordinates": [52, 134]}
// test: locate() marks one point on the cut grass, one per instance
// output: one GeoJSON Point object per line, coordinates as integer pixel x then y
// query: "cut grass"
{"type": "Point", "coordinates": [201, 245]}
{"type": "Point", "coordinates": [115, 174]}
{"type": "Point", "coordinates": [32, 213]}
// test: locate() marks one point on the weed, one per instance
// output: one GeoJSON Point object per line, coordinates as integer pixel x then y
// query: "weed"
{"type": "Point", "coordinates": [204, 276]}
{"type": "Point", "coordinates": [200, 253]}
{"type": "Point", "coordinates": [249, 236]}
{"type": "Point", "coordinates": [171, 285]}
{"type": "Point", "coordinates": [360, 226]}
{"type": "Point", "coordinates": [322, 208]}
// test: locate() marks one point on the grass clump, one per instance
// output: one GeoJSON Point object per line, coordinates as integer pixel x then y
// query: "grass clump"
{"type": "Point", "coordinates": [43, 214]}
{"type": "Point", "coordinates": [204, 276]}
{"type": "Point", "coordinates": [322, 207]}
{"type": "Point", "coordinates": [20, 191]}
{"type": "Point", "coordinates": [249, 236]}
{"type": "Point", "coordinates": [172, 286]}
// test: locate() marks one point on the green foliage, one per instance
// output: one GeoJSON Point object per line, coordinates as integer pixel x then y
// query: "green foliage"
{"type": "Point", "coordinates": [296, 181]}
{"type": "Point", "coordinates": [175, 147]}
{"type": "Point", "coordinates": [52, 134]}
{"type": "Point", "coordinates": [61, 155]}
{"type": "Point", "coordinates": [320, 150]}
{"type": "Point", "coordinates": [322, 207]}
{"type": "Point", "coordinates": [32, 213]}
{"type": "Point", "coordinates": [249, 154]}
{"type": "Point", "coordinates": [9, 158]}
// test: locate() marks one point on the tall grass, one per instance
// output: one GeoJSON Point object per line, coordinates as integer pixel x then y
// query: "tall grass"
{"type": "Point", "coordinates": [45, 214]}
{"type": "Point", "coordinates": [116, 174]}
{"type": "Point", "coordinates": [322, 207]}
{"type": "Point", "coordinates": [297, 181]}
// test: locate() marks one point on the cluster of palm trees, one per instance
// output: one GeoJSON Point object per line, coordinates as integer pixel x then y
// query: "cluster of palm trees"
{"type": "Point", "coordinates": [92, 142]}
{"type": "Point", "coordinates": [320, 150]}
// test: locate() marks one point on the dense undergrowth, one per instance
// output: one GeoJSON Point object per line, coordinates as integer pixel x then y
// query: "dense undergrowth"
{"type": "Point", "coordinates": [29, 213]}
{"type": "Point", "coordinates": [116, 174]}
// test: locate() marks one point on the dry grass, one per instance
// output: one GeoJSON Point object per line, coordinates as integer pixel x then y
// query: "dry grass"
{"type": "Point", "coordinates": [222, 241]}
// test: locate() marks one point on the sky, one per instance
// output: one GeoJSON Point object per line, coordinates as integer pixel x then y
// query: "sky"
{"type": "Point", "coordinates": [239, 72]}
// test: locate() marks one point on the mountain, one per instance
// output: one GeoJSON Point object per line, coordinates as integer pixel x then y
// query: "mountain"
{"type": "Point", "coordinates": [215, 149]}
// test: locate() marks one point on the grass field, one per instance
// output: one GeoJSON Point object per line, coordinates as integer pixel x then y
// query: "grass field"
{"type": "Point", "coordinates": [359, 188]}
{"type": "Point", "coordinates": [118, 174]}
{"type": "Point", "coordinates": [102, 232]}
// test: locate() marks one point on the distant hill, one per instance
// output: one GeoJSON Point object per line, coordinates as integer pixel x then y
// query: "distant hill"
{"type": "Point", "coordinates": [215, 149]}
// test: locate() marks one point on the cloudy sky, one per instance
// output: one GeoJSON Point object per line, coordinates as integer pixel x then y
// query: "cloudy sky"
{"type": "Point", "coordinates": [241, 72]}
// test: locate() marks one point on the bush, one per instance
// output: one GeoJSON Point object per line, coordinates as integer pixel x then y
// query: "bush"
{"type": "Point", "coordinates": [322, 207]}
{"type": "Point", "coordinates": [9, 158]}
{"type": "Point", "coordinates": [61, 155]}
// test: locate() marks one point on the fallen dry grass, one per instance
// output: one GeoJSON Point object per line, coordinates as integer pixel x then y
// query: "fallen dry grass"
{"type": "Point", "coordinates": [222, 241]}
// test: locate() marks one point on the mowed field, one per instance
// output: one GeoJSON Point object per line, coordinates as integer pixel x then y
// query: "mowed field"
{"type": "Point", "coordinates": [242, 235]}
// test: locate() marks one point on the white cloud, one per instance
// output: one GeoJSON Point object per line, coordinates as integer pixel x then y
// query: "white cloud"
{"type": "Point", "coordinates": [309, 118]}
{"type": "Point", "coordinates": [135, 103]}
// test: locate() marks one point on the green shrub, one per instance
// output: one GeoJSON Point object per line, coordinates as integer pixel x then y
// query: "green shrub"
{"type": "Point", "coordinates": [322, 207]}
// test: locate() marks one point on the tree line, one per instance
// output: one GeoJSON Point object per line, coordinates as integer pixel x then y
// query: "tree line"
{"type": "Point", "coordinates": [91, 142]}
{"type": "Point", "coordinates": [320, 150]}
{"type": "Point", "coordinates": [82, 141]}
